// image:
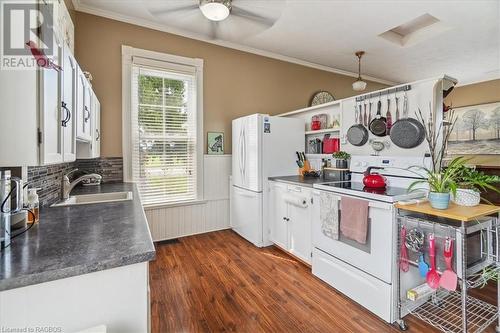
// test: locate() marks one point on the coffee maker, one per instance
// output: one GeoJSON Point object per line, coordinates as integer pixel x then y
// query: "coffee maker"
{"type": "Point", "coordinates": [7, 200]}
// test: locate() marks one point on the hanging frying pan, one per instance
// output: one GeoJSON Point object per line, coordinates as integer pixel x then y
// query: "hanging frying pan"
{"type": "Point", "coordinates": [357, 134]}
{"type": "Point", "coordinates": [378, 125]}
{"type": "Point", "coordinates": [407, 132]}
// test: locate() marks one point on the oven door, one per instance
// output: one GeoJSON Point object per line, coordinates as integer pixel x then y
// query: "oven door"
{"type": "Point", "coordinates": [374, 257]}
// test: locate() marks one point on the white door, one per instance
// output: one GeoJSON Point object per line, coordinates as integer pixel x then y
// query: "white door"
{"type": "Point", "coordinates": [50, 110]}
{"type": "Point", "coordinates": [279, 215]}
{"type": "Point", "coordinates": [237, 158]}
{"type": "Point", "coordinates": [83, 100]}
{"type": "Point", "coordinates": [96, 142]}
{"type": "Point", "coordinates": [300, 224]}
{"type": "Point", "coordinates": [252, 152]}
{"type": "Point", "coordinates": [246, 208]}
{"type": "Point", "coordinates": [69, 105]}
{"type": "Point", "coordinates": [247, 152]}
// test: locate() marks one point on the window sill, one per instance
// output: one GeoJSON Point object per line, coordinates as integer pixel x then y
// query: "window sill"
{"type": "Point", "coordinates": [174, 204]}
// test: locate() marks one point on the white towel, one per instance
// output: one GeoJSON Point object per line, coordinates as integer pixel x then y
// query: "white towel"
{"type": "Point", "coordinates": [329, 214]}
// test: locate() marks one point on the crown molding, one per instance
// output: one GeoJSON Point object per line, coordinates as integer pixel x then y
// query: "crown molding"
{"type": "Point", "coordinates": [161, 27]}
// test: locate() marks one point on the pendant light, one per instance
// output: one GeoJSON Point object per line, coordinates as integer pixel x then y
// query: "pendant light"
{"type": "Point", "coordinates": [359, 85]}
{"type": "Point", "coordinates": [215, 10]}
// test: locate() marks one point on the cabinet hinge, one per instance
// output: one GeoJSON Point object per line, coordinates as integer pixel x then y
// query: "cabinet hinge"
{"type": "Point", "coordinates": [311, 254]}
{"type": "Point", "coordinates": [39, 137]}
{"type": "Point", "coordinates": [312, 201]}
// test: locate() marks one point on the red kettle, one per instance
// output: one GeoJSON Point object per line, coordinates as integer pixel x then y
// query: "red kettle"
{"type": "Point", "coordinates": [373, 180]}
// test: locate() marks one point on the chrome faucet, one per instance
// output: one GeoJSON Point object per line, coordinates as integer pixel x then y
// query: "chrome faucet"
{"type": "Point", "coordinates": [67, 186]}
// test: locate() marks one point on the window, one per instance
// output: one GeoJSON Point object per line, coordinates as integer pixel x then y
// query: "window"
{"type": "Point", "coordinates": [164, 123]}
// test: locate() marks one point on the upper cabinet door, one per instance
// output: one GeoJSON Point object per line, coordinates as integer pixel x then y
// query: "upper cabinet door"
{"type": "Point", "coordinates": [96, 142]}
{"type": "Point", "coordinates": [83, 111]}
{"type": "Point", "coordinates": [69, 96]}
{"type": "Point", "coordinates": [51, 146]}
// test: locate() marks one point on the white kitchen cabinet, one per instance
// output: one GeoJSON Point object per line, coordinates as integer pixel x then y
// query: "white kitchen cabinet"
{"type": "Point", "coordinates": [92, 148]}
{"type": "Point", "coordinates": [291, 223]}
{"type": "Point", "coordinates": [279, 212]}
{"type": "Point", "coordinates": [51, 129]}
{"type": "Point", "coordinates": [83, 106]}
{"type": "Point", "coordinates": [68, 122]}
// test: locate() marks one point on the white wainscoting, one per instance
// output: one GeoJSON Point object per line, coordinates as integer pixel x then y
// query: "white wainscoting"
{"type": "Point", "coordinates": [210, 215]}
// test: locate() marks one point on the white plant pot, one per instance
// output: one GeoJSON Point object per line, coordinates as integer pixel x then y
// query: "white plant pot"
{"type": "Point", "coordinates": [467, 197]}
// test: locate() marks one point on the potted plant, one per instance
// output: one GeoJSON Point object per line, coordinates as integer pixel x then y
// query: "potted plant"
{"type": "Point", "coordinates": [341, 158]}
{"type": "Point", "coordinates": [441, 183]}
{"type": "Point", "coordinates": [470, 185]}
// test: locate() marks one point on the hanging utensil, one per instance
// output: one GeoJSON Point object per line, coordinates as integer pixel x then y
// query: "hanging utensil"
{"type": "Point", "coordinates": [388, 117]}
{"type": "Point", "coordinates": [404, 265]}
{"type": "Point", "coordinates": [377, 125]}
{"type": "Point", "coordinates": [407, 132]}
{"type": "Point", "coordinates": [397, 108]}
{"type": "Point", "coordinates": [356, 114]}
{"type": "Point", "coordinates": [365, 117]}
{"type": "Point", "coordinates": [369, 114]}
{"type": "Point", "coordinates": [423, 268]}
{"type": "Point", "coordinates": [449, 277]}
{"type": "Point", "coordinates": [432, 276]}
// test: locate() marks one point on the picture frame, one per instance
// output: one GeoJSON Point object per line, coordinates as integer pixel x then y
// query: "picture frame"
{"type": "Point", "coordinates": [215, 143]}
{"type": "Point", "coordinates": [477, 130]}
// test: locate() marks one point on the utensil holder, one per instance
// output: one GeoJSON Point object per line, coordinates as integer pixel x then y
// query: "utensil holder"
{"type": "Point", "coordinates": [306, 167]}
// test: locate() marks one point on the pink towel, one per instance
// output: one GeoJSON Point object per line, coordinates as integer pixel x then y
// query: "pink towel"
{"type": "Point", "coordinates": [354, 219]}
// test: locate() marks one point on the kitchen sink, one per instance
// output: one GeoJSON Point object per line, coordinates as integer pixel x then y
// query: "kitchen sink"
{"type": "Point", "coordinates": [86, 199]}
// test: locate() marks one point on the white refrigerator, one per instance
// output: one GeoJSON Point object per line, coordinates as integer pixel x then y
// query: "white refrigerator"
{"type": "Point", "coordinates": [263, 146]}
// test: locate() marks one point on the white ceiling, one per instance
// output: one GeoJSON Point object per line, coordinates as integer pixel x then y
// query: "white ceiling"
{"type": "Point", "coordinates": [328, 32]}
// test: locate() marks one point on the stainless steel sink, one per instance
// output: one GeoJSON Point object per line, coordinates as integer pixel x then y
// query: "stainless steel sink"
{"type": "Point", "coordinates": [86, 199]}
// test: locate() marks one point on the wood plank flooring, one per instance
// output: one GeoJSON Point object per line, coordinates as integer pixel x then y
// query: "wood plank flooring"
{"type": "Point", "coordinates": [219, 282]}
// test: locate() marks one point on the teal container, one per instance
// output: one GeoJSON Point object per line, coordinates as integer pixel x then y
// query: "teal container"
{"type": "Point", "coordinates": [439, 200]}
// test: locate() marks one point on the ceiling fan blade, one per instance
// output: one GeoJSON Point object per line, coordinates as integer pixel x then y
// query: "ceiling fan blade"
{"type": "Point", "coordinates": [174, 10]}
{"type": "Point", "coordinates": [236, 11]}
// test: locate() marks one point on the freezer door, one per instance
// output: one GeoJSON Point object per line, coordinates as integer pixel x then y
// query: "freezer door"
{"type": "Point", "coordinates": [246, 215]}
{"type": "Point", "coordinates": [247, 152]}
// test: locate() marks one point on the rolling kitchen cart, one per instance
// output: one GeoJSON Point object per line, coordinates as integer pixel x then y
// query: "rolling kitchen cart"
{"type": "Point", "coordinates": [475, 235]}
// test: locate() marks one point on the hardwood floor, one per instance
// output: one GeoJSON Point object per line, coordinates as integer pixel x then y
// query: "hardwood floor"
{"type": "Point", "coordinates": [219, 282]}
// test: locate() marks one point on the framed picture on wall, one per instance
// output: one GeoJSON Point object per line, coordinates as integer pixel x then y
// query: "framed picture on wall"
{"type": "Point", "coordinates": [477, 130]}
{"type": "Point", "coordinates": [215, 143]}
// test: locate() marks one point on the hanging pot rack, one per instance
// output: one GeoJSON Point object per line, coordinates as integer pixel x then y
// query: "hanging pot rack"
{"type": "Point", "coordinates": [361, 98]}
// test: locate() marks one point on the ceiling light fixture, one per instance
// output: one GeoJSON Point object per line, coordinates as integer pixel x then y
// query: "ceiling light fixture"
{"type": "Point", "coordinates": [359, 85]}
{"type": "Point", "coordinates": [215, 10]}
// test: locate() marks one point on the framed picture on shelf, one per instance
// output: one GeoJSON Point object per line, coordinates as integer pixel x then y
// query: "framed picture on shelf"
{"type": "Point", "coordinates": [215, 143]}
{"type": "Point", "coordinates": [477, 130]}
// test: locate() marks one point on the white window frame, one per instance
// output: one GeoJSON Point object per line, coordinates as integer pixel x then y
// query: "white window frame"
{"type": "Point", "coordinates": [128, 53]}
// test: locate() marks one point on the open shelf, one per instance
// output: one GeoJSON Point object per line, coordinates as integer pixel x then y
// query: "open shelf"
{"type": "Point", "coordinates": [444, 311]}
{"type": "Point", "coordinates": [326, 130]}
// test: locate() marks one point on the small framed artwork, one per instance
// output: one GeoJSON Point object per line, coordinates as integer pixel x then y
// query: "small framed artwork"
{"type": "Point", "coordinates": [477, 130]}
{"type": "Point", "coordinates": [215, 143]}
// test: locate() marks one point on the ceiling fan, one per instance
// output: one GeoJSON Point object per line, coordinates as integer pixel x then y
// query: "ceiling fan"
{"type": "Point", "coordinates": [218, 12]}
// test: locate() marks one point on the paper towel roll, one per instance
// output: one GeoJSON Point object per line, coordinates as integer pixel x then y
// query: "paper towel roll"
{"type": "Point", "coordinates": [296, 200]}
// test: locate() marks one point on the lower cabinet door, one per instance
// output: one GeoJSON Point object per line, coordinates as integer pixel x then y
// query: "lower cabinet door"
{"type": "Point", "coordinates": [300, 228]}
{"type": "Point", "coordinates": [279, 216]}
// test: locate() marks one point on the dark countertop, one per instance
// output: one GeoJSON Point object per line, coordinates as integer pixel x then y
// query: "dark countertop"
{"type": "Point", "coordinates": [300, 180]}
{"type": "Point", "coordinates": [76, 240]}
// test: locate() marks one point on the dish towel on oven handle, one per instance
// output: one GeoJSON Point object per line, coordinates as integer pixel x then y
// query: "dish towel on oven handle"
{"type": "Point", "coordinates": [354, 219]}
{"type": "Point", "coordinates": [329, 214]}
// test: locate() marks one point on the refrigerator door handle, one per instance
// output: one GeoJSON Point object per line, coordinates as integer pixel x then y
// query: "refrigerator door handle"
{"type": "Point", "coordinates": [244, 154]}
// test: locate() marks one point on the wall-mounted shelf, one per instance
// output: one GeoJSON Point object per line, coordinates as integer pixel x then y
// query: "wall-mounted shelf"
{"type": "Point", "coordinates": [326, 130]}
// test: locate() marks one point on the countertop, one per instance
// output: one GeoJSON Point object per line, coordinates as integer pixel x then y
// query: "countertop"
{"type": "Point", "coordinates": [76, 240]}
{"type": "Point", "coordinates": [454, 211]}
{"type": "Point", "coordinates": [300, 180]}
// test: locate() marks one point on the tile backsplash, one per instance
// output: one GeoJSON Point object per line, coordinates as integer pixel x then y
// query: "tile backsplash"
{"type": "Point", "coordinates": [48, 178]}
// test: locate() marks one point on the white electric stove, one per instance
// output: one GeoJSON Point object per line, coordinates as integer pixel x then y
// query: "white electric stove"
{"type": "Point", "coordinates": [365, 272]}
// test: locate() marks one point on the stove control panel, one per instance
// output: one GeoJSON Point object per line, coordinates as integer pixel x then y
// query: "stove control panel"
{"type": "Point", "coordinates": [396, 166]}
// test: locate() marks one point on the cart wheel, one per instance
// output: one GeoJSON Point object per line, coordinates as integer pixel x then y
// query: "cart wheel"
{"type": "Point", "coordinates": [402, 325]}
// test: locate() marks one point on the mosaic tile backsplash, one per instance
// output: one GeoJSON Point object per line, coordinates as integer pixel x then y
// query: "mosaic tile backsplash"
{"type": "Point", "coordinates": [48, 178]}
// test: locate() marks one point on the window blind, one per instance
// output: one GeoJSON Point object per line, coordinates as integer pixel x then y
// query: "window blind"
{"type": "Point", "coordinates": [164, 130]}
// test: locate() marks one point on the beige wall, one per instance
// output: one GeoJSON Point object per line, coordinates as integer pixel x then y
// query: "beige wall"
{"type": "Point", "coordinates": [235, 83]}
{"type": "Point", "coordinates": [473, 94]}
